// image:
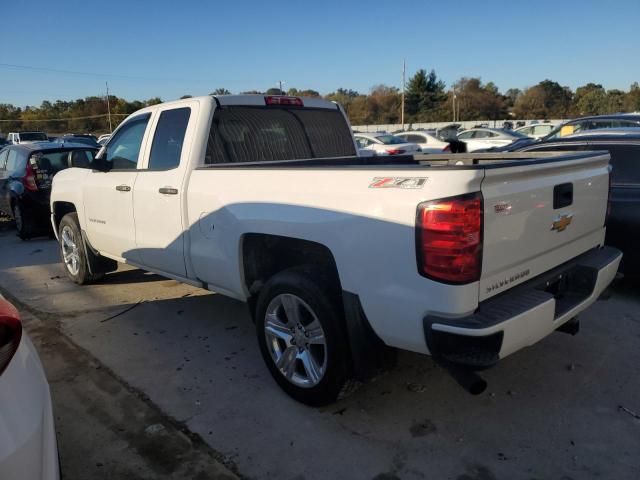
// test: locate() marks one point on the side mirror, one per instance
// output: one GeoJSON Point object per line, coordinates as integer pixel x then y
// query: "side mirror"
{"type": "Point", "coordinates": [99, 162]}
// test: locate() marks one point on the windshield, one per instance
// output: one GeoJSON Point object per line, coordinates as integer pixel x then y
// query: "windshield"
{"type": "Point", "coordinates": [83, 140]}
{"type": "Point", "coordinates": [33, 137]}
{"type": "Point", "coordinates": [390, 139]}
{"type": "Point", "coordinates": [514, 133]}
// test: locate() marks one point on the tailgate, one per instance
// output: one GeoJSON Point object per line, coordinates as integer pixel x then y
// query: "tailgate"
{"type": "Point", "coordinates": [541, 215]}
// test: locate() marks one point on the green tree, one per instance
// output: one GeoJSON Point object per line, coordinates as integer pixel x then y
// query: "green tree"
{"type": "Point", "coordinates": [547, 99]}
{"type": "Point", "coordinates": [424, 96]}
{"type": "Point", "coordinates": [294, 92]}
{"type": "Point", "coordinates": [477, 101]}
{"type": "Point", "coordinates": [220, 91]}
{"type": "Point", "coordinates": [590, 99]}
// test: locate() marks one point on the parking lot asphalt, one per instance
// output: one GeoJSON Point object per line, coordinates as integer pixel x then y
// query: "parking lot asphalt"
{"type": "Point", "coordinates": [566, 408]}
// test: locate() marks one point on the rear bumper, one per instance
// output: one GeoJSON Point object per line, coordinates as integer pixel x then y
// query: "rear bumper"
{"type": "Point", "coordinates": [523, 315]}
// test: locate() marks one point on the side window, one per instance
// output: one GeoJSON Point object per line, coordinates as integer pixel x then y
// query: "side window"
{"type": "Point", "coordinates": [362, 142]}
{"type": "Point", "coordinates": [12, 160]}
{"type": "Point", "coordinates": [625, 160]}
{"type": "Point", "coordinates": [480, 134]}
{"type": "Point", "coordinates": [414, 139]}
{"type": "Point", "coordinates": [168, 139]}
{"type": "Point", "coordinates": [81, 158]}
{"type": "Point", "coordinates": [124, 148]}
{"type": "Point", "coordinates": [465, 135]}
{"type": "Point", "coordinates": [3, 158]}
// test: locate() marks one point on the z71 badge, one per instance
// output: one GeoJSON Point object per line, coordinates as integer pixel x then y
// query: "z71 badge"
{"type": "Point", "coordinates": [398, 182]}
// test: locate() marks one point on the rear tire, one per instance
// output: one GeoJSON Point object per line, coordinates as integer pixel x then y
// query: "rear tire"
{"type": "Point", "coordinates": [23, 220]}
{"type": "Point", "coordinates": [300, 330]}
{"type": "Point", "coordinates": [73, 253]}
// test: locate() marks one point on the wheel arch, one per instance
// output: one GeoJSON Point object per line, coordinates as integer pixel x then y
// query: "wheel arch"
{"type": "Point", "coordinates": [264, 255]}
{"type": "Point", "coordinates": [59, 209]}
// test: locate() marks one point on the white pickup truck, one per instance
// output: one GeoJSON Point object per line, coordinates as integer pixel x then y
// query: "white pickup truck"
{"type": "Point", "coordinates": [468, 258]}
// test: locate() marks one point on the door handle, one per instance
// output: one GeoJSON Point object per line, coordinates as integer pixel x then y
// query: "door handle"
{"type": "Point", "coordinates": [168, 191]}
{"type": "Point", "coordinates": [123, 188]}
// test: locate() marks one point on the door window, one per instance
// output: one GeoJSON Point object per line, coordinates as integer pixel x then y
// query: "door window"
{"type": "Point", "coordinates": [124, 148]}
{"type": "Point", "coordinates": [3, 158]}
{"type": "Point", "coordinates": [465, 135]}
{"type": "Point", "coordinates": [169, 138]}
{"type": "Point", "coordinates": [362, 142]}
{"type": "Point", "coordinates": [12, 160]}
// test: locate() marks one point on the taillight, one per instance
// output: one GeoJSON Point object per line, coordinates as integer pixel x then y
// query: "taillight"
{"type": "Point", "coordinates": [447, 148]}
{"type": "Point", "coordinates": [449, 239]}
{"type": "Point", "coordinates": [395, 151]}
{"type": "Point", "coordinates": [10, 333]}
{"type": "Point", "coordinates": [281, 100]}
{"type": "Point", "coordinates": [29, 179]}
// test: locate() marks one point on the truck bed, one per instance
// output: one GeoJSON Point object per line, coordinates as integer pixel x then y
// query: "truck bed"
{"type": "Point", "coordinates": [457, 161]}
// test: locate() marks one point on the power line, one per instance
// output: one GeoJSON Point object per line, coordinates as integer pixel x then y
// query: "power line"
{"type": "Point", "coordinates": [67, 118]}
{"type": "Point", "coordinates": [117, 75]}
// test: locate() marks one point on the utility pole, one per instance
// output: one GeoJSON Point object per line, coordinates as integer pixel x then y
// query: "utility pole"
{"type": "Point", "coordinates": [404, 69]}
{"type": "Point", "coordinates": [280, 83]}
{"type": "Point", "coordinates": [108, 107]}
{"type": "Point", "coordinates": [454, 104]}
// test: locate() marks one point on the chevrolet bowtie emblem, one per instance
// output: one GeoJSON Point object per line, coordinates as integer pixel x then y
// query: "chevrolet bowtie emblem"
{"type": "Point", "coordinates": [561, 222]}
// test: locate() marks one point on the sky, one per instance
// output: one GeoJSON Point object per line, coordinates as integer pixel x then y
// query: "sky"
{"type": "Point", "coordinates": [167, 48]}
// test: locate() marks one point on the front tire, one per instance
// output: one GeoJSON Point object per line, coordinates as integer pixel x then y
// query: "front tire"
{"type": "Point", "coordinates": [300, 329]}
{"type": "Point", "coordinates": [73, 252]}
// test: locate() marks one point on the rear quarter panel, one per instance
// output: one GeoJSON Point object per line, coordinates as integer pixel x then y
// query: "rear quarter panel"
{"type": "Point", "coordinates": [370, 232]}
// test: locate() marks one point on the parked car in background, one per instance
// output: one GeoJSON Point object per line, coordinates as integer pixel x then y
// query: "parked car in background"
{"type": "Point", "coordinates": [16, 138]}
{"type": "Point", "coordinates": [90, 140]}
{"type": "Point", "coordinates": [598, 122]}
{"type": "Point", "coordinates": [26, 172]}
{"type": "Point", "coordinates": [385, 144]}
{"type": "Point", "coordinates": [102, 139]}
{"type": "Point", "coordinates": [28, 447]}
{"type": "Point", "coordinates": [537, 130]}
{"type": "Point", "coordinates": [623, 225]}
{"type": "Point", "coordinates": [483, 138]}
{"type": "Point", "coordinates": [427, 141]}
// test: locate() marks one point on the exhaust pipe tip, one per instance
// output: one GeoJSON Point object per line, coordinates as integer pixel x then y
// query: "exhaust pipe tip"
{"type": "Point", "coordinates": [478, 386]}
{"type": "Point", "coordinates": [466, 378]}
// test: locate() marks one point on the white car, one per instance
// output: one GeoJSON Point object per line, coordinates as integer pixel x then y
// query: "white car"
{"type": "Point", "coordinates": [537, 130]}
{"type": "Point", "coordinates": [28, 448]}
{"type": "Point", "coordinates": [385, 144]}
{"type": "Point", "coordinates": [26, 137]}
{"type": "Point", "coordinates": [480, 138]}
{"type": "Point", "coordinates": [427, 141]}
{"type": "Point", "coordinates": [341, 256]}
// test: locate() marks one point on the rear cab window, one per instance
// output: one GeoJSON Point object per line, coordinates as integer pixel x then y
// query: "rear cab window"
{"type": "Point", "coordinates": [259, 134]}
